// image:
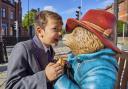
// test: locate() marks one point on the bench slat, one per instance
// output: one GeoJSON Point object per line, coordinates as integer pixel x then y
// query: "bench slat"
{"type": "Point", "coordinates": [123, 71]}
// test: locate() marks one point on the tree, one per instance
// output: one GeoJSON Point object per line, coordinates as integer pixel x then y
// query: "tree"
{"type": "Point", "coordinates": [120, 27]}
{"type": "Point", "coordinates": [29, 18]}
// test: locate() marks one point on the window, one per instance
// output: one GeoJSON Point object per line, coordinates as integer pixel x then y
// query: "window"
{"type": "Point", "coordinates": [4, 27]}
{"type": "Point", "coordinates": [12, 2]}
{"type": "Point", "coordinates": [3, 12]}
{"type": "Point", "coordinates": [11, 15]}
{"type": "Point", "coordinates": [16, 1]}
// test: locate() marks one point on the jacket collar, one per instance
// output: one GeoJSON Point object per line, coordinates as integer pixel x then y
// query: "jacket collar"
{"type": "Point", "coordinates": [41, 46]}
{"type": "Point", "coordinates": [38, 43]}
{"type": "Point", "coordinates": [106, 51]}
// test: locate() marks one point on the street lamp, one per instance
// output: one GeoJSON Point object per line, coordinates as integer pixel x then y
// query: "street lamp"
{"type": "Point", "coordinates": [28, 13]}
{"type": "Point", "coordinates": [81, 8]}
{"type": "Point", "coordinates": [81, 3]}
{"type": "Point", "coordinates": [1, 24]}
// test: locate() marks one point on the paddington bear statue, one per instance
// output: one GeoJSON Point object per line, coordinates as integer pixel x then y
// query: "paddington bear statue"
{"type": "Point", "coordinates": [92, 60]}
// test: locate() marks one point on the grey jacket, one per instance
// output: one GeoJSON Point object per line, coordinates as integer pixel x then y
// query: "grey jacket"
{"type": "Point", "coordinates": [26, 66]}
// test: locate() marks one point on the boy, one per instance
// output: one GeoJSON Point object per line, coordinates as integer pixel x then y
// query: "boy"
{"type": "Point", "coordinates": [30, 65]}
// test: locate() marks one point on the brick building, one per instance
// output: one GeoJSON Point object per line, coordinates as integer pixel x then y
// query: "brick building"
{"type": "Point", "coordinates": [10, 11]}
{"type": "Point", "coordinates": [122, 11]}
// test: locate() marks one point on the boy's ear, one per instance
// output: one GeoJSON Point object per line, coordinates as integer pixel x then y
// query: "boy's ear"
{"type": "Point", "coordinates": [39, 30]}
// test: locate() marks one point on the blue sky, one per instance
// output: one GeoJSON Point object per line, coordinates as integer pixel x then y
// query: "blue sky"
{"type": "Point", "coordinates": [66, 8]}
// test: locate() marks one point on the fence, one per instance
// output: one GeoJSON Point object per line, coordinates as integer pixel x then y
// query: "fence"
{"type": "Point", "coordinates": [8, 41]}
{"type": "Point", "coordinates": [13, 40]}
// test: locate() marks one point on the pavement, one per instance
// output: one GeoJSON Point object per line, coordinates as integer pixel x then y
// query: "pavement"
{"type": "Point", "coordinates": [3, 75]}
{"type": "Point", "coordinates": [3, 69]}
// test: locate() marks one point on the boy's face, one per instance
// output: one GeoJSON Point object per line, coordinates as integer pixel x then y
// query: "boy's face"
{"type": "Point", "coordinates": [51, 33]}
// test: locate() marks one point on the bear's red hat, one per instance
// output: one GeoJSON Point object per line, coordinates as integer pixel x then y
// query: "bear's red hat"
{"type": "Point", "coordinates": [99, 22]}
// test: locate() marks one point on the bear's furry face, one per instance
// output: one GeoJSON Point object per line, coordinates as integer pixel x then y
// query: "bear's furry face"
{"type": "Point", "coordinates": [81, 41]}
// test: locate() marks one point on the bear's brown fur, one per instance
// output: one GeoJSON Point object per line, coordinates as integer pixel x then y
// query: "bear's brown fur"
{"type": "Point", "coordinates": [81, 41]}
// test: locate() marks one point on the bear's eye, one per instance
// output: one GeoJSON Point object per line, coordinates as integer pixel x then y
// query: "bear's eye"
{"type": "Point", "coordinates": [75, 32]}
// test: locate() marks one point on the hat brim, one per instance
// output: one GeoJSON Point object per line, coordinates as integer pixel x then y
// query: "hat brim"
{"type": "Point", "coordinates": [72, 23]}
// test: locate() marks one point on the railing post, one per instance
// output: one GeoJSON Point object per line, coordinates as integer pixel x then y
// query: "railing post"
{"type": "Point", "coordinates": [1, 53]}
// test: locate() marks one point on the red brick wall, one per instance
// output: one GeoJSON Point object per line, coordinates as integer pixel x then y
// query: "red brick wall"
{"type": "Point", "coordinates": [123, 13]}
{"type": "Point", "coordinates": [123, 10]}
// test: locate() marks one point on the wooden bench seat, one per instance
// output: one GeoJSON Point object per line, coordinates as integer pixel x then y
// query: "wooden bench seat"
{"type": "Point", "coordinates": [122, 82]}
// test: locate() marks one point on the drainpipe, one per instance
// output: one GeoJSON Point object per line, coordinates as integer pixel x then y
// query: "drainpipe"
{"type": "Point", "coordinates": [116, 9]}
{"type": "Point", "coordinates": [127, 16]}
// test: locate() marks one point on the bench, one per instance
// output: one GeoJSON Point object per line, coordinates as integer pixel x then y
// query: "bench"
{"type": "Point", "coordinates": [122, 82]}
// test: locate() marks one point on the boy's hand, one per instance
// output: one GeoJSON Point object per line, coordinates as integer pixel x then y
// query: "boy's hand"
{"type": "Point", "coordinates": [53, 71]}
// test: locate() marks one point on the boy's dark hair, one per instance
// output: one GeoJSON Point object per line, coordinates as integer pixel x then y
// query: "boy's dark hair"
{"type": "Point", "coordinates": [41, 18]}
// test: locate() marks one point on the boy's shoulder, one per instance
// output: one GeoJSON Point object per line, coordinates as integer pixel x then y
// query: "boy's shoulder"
{"type": "Point", "coordinates": [27, 44]}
